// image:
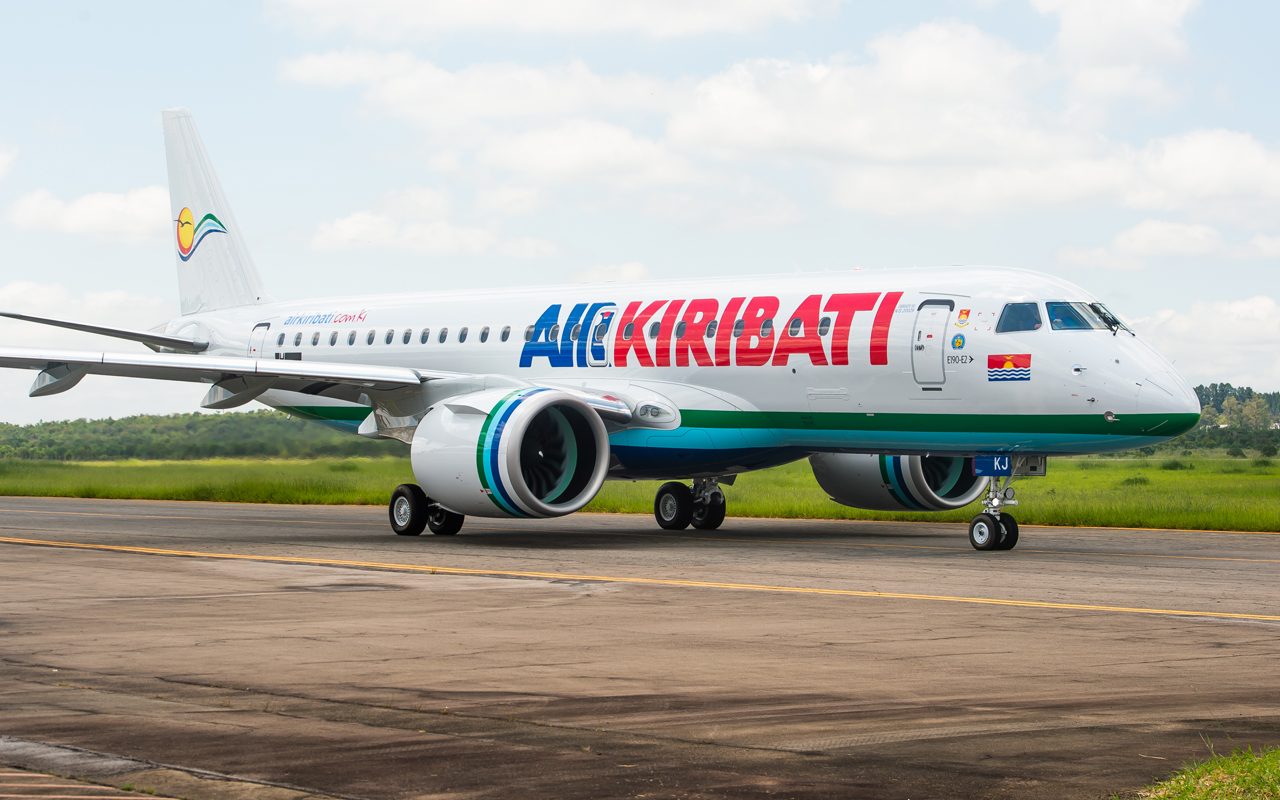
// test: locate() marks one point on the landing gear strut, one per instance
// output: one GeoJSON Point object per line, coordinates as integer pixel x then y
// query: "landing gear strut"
{"type": "Point", "coordinates": [677, 506]}
{"type": "Point", "coordinates": [411, 511]}
{"type": "Point", "coordinates": [994, 529]}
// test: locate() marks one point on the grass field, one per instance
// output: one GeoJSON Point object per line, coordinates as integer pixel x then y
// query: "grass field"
{"type": "Point", "coordinates": [1193, 492]}
{"type": "Point", "coordinates": [1243, 774]}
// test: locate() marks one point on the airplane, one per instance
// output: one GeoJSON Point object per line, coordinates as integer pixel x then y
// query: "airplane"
{"type": "Point", "coordinates": [918, 390]}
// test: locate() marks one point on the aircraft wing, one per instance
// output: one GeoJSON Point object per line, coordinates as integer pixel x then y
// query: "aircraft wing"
{"type": "Point", "coordinates": [149, 338]}
{"type": "Point", "coordinates": [237, 380]}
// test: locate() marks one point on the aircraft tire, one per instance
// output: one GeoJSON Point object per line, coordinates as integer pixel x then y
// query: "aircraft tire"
{"type": "Point", "coordinates": [984, 532]}
{"type": "Point", "coordinates": [709, 516]}
{"type": "Point", "coordinates": [1009, 526]}
{"type": "Point", "coordinates": [673, 506]}
{"type": "Point", "coordinates": [408, 509]}
{"type": "Point", "coordinates": [443, 522]}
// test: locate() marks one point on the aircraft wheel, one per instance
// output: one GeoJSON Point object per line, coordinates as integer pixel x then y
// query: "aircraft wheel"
{"type": "Point", "coordinates": [443, 522]}
{"type": "Point", "coordinates": [673, 506]}
{"type": "Point", "coordinates": [708, 516]}
{"type": "Point", "coordinates": [1010, 527]}
{"type": "Point", "coordinates": [984, 532]}
{"type": "Point", "coordinates": [408, 510]}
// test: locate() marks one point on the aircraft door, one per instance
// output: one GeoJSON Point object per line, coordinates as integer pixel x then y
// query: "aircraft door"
{"type": "Point", "coordinates": [258, 338]}
{"type": "Point", "coordinates": [928, 341]}
{"type": "Point", "coordinates": [597, 336]}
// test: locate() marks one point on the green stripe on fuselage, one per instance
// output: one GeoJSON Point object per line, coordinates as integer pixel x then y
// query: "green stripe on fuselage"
{"type": "Point", "coordinates": [1162, 425]}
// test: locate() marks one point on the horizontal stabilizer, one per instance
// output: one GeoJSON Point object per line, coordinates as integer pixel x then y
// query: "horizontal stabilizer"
{"type": "Point", "coordinates": [150, 339]}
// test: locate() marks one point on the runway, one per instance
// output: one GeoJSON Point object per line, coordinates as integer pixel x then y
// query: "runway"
{"type": "Point", "coordinates": [308, 650]}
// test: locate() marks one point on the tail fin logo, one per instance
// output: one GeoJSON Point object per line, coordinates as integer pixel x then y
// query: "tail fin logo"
{"type": "Point", "coordinates": [190, 233]}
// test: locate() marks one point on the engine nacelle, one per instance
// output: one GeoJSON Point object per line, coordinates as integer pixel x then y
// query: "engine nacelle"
{"type": "Point", "coordinates": [898, 483]}
{"type": "Point", "coordinates": [532, 452]}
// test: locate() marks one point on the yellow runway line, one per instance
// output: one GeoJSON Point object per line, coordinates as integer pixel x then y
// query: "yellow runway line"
{"type": "Point", "coordinates": [334, 562]}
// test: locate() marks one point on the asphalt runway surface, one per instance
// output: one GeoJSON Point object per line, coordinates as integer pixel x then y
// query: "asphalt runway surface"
{"type": "Point", "coordinates": [226, 651]}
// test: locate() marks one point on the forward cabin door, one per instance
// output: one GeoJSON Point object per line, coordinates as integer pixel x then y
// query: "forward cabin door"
{"type": "Point", "coordinates": [928, 341]}
{"type": "Point", "coordinates": [258, 338]}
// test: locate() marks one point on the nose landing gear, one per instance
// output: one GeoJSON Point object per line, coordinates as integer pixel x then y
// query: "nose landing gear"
{"type": "Point", "coordinates": [677, 506]}
{"type": "Point", "coordinates": [994, 529]}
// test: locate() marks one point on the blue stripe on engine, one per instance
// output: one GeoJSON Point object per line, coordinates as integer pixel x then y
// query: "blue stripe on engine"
{"type": "Point", "coordinates": [492, 444]}
{"type": "Point", "coordinates": [900, 484]}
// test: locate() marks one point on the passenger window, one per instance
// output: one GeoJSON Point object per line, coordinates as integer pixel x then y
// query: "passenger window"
{"type": "Point", "coordinates": [1074, 317]}
{"type": "Point", "coordinates": [390, 337]}
{"type": "Point", "coordinates": [351, 338]}
{"type": "Point", "coordinates": [280, 341]}
{"type": "Point", "coordinates": [575, 333]}
{"type": "Point", "coordinates": [506, 333]}
{"type": "Point", "coordinates": [333, 338]}
{"type": "Point", "coordinates": [370, 337]}
{"type": "Point", "coordinates": [794, 328]}
{"type": "Point", "coordinates": [824, 326]}
{"type": "Point", "coordinates": [766, 329]}
{"type": "Point", "coordinates": [315, 338]}
{"type": "Point", "coordinates": [528, 333]}
{"type": "Point", "coordinates": [601, 330]}
{"type": "Point", "coordinates": [628, 329]}
{"type": "Point", "coordinates": [711, 328]}
{"type": "Point", "coordinates": [654, 329]}
{"type": "Point", "coordinates": [426, 334]}
{"type": "Point", "coordinates": [484, 334]}
{"type": "Point", "coordinates": [444, 334]}
{"type": "Point", "coordinates": [408, 334]}
{"type": "Point", "coordinates": [739, 327]}
{"type": "Point", "coordinates": [1019, 317]}
{"type": "Point", "coordinates": [680, 328]}
{"type": "Point", "coordinates": [553, 335]}
{"type": "Point", "coordinates": [462, 335]}
{"type": "Point", "coordinates": [297, 339]}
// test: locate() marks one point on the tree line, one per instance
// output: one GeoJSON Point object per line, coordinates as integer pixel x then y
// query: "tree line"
{"type": "Point", "coordinates": [254, 434]}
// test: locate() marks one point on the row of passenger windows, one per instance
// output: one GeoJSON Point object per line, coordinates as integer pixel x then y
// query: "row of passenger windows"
{"type": "Point", "coordinates": [405, 337]}
{"type": "Point", "coordinates": [1063, 316]}
{"type": "Point", "coordinates": [739, 328]}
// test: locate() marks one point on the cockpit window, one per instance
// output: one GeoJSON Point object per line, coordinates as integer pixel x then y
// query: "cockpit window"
{"type": "Point", "coordinates": [1019, 317]}
{"type": "Point", "coordinates": [1112, 321]}
{"type": "Point", "coordinates": [1074, 317]}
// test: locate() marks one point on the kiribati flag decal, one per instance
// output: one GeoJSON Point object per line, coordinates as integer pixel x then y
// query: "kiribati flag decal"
{"type": "Point", "coordinates": [1009, 368]}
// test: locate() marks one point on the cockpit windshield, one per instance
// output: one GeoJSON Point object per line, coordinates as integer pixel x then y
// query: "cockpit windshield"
{"type": "Point", "coordinates": [1074, 317]}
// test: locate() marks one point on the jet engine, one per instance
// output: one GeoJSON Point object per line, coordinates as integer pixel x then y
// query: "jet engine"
{"type": "Point", "coordinates": [532, 452]}
{"type": "Point", "coordinates": [898, 483]}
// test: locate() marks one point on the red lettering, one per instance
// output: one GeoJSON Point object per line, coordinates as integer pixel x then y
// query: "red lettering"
{"type": "Point", "coordinates": [760, 309]}
{"type": "Point", "coordinates": [724, 331]}
{"type": "Point", "coordinates": [845, 306]}
{"type": "Point", "coordinates": [697, 315]}
{"type": "Point", "coordinates": [663, 344]}
{"type": "Point", "coordinates": [880, 329]}
{"type": "Point", "coordinates": [622, 345]}
{"type": "Point", "coordinates": [808, 342]}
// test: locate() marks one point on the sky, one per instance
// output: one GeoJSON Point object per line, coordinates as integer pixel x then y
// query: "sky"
{"type": "Point", "coordinates": [1129, 146]}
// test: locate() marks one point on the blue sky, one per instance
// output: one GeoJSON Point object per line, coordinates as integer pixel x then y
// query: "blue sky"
{"type": "Point", "coordinates": [1131, 146]}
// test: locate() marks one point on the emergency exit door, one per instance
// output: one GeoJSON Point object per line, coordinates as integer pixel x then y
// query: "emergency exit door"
{"type": "Point", "coordinates": [258, 338]}
{"type": "Point", "coordinates": [929, 340]}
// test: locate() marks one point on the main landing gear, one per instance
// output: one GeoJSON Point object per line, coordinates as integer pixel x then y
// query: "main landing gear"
{"type": "Point", "coordinates": [412, 511]}
{"type": "Point", "coordinates": [677, 506]}
{"type": "Point", "coordinates": [994, 529]}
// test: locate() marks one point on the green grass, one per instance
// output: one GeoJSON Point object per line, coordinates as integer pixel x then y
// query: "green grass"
{"type": "Point", "coordinates": [1243, 774]}
{"type": "Point", "coordinates": [1205, 493]}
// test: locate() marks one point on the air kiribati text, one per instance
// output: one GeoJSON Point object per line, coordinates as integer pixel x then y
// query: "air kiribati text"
{"type": "Point", "coordinates": [325, 319]}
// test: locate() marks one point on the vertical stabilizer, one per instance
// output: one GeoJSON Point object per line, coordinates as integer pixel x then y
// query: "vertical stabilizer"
{"type": "Point", "coordinates": [214, 267]}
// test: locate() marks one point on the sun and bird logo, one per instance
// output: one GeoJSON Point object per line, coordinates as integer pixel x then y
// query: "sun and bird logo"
{"type": "Point", "coordinates": [190, 233]}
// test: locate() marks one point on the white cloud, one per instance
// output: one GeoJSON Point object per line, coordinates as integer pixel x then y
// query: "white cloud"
{"type": "Point", "coordinates": [1233, 341]}
{"type": "Point", "coordinates": [508, 199]}
{"type": "Point", "coordinates": [402, 85]}
{"type": "Point", "coordinates": [1114, 48]}
{"type": "Point", "coordinates": [367, 229]}
{"type": "Point", "coordinates": [7, 157]}
{"type": "Point", "coordinates": [399, 20]}
{"type": "Point", "coordinates": [1157, 238]}
{"type": "Point", "coordinates": [422, 203]}
{"type": "Point", "coordinates": [135, 217]}
{"type": "Point", "coordinates": [587, 150]}
{"type": "Point", "coordinates": [630, 271]}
